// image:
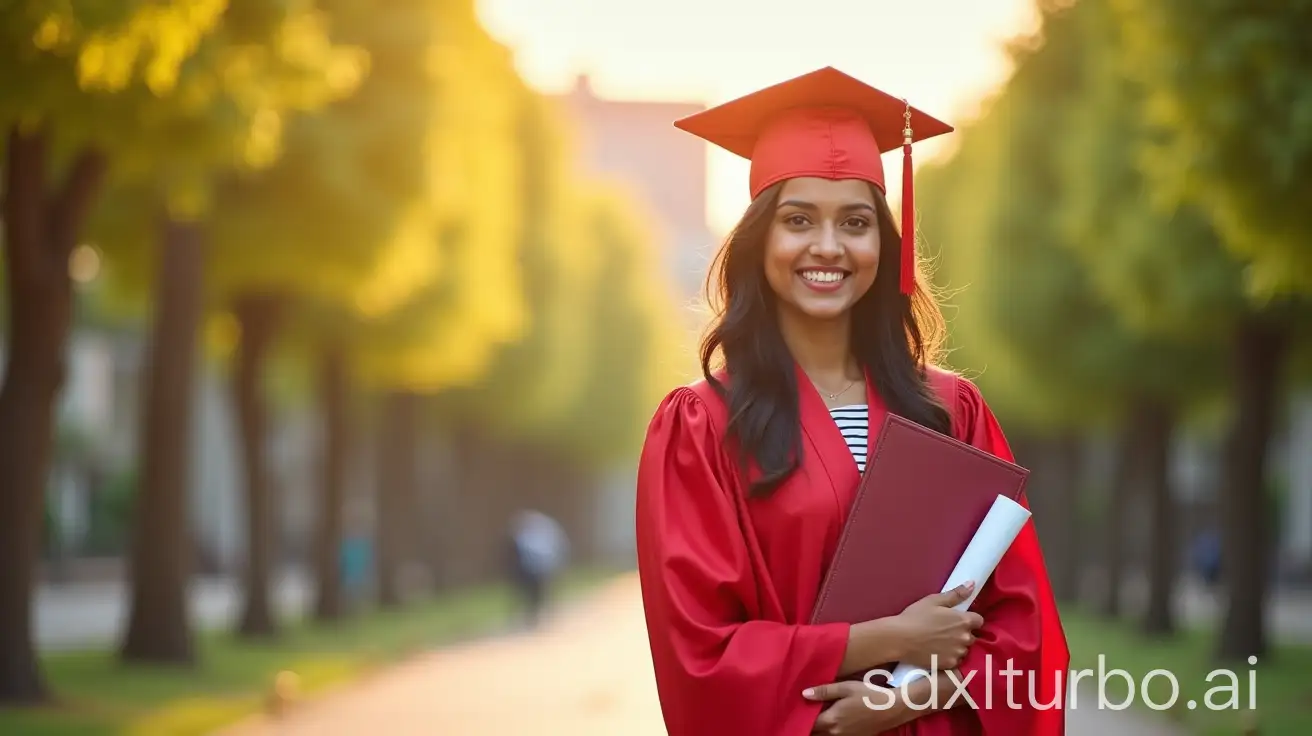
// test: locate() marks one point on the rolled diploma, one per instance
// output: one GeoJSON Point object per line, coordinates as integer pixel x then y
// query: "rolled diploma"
{"type": "Point", "coordinates": [995, 534]}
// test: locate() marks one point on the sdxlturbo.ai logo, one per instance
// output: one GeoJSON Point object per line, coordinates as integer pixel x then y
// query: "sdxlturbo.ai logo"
{"type": "Point", "coordinates": [1012, 684]}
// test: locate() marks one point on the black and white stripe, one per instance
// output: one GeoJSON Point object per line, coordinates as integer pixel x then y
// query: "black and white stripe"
{"type": "Point", "coordinates": [852, 423]}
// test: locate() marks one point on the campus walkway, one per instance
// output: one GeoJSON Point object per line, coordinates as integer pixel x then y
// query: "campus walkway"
{"type": "Point", "coordinates": [74, 615]}
{"type": "Point", "coordinates": [78, 615]}
{"type": "Point", "coordinates": [586, 674]}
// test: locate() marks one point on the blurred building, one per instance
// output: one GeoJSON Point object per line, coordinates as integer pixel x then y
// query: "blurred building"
{"type": "Point", "coordinates": [634, 144]}
{"type": "Point", "coordinates": [94, 464]}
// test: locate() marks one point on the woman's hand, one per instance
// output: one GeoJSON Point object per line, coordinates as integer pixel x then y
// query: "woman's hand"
{"type": "Point", "coordinates": [858, 710]}
{"type": "Point", "coordinates": [932, 634]}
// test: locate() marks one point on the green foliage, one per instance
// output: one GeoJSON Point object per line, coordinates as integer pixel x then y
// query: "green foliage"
{"type": "Point", "coordinates": [258, 72]}
{"type": "Point", "coordinates": [1034, 326]}
{"type": "Point", "coordinates": [533, 381]}
{"type": "Point", "coordinates": [170, 90]}
{"type": "Point", "coordinates": [82, 65]}
{"type": "Point", "coordinates": [1055, 260]}
{"type": "Point", "coordinates": [393, 217]}
{"type": "Point", "coordinates": [599, 341]}
{"type": "Point", "coordinates": [317, 223]}
{"type": "Point", "coordinates": [629, 348]}
{"type": "Point", "coordinates": [110, 516]}
{"type": "Point", "coordinates": [446, 332]}
{"type": "Point", "coordinates": [1229, 85]}
{"type": "Point", "coordinates": [1164, 274]}
{"type": "Point", "coordinates": [388, 172]}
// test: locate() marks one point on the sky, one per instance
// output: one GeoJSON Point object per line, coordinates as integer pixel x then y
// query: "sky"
{"type": "Point", "coordinates": [944, 56]}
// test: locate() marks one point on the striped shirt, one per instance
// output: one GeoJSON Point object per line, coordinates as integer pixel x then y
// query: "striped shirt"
{"type": "Point", "coordinates": [851, 421]}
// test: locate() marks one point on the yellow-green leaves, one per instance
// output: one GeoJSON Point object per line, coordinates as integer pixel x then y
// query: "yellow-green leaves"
{"type": "Point", "coordinates": [1229, 89]}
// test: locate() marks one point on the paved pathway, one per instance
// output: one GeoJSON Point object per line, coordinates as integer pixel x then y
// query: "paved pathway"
{"type": "Point", "coordinates": [586, 674]}
{"type": "Point", "coordinates": [93, 614]}
{"type": "Point", "coordinates": [72, 615]}
{"type": "Point", "coordinates": [76, 615]}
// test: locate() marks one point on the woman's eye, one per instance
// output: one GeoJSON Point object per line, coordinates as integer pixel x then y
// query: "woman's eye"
{"type": "Point", "coordinates": [795, 220]}
{"type": "Point", "coordinates": [858, 223]}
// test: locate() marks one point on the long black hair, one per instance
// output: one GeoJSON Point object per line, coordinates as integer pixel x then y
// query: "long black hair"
{"type": "Point", "coordinates": [894, 338]}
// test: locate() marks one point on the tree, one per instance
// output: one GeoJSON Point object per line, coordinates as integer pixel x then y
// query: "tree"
{"type": "Point", "coordinates": [624, 346]}
{"type": "Point", "coordinates": [265, 62]}
{"type": "Point", "coordinates": [583, 282]}
{"type": "Point", "coordinates": [534, 380]}
{"type": "Point", "coordinates": [447, 334]}
{"type": "Point", "coordinates": [1164, 274]}
{"type": "Point", "coordinates": [1025, 314]}
{"type": "Point", "coordinates": [347, 206]}
{"type": "Point", "coordinates": [1060, 358]}
{"type": "Point", "coordinates": [1227, 140]}
{"type": "Point", "coordinates": [77, 81]}
{"type": "Point", "coordinates": [377, 232]}
{"type": "Point", "coordinates": [1236, 122]}
{"type": "Point", "coordinates": [632, 356]}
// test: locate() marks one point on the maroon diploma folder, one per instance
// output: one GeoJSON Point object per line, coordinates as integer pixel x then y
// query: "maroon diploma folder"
{"type": "Point", "coordinates": [920, 501]}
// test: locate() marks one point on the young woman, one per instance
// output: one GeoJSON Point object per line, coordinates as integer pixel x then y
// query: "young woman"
{"type": "Point", "coordinates": [746, 476]}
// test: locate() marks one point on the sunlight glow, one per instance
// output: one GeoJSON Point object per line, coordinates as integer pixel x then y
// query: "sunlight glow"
{"type": "Point", "coordinates": [944, 55]}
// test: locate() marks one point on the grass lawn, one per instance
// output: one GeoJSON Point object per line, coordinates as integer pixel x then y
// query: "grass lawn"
{"type": "Point", "coordinates": [1283, 694]}
{"type": "Point", "coordinates": [99, 696]}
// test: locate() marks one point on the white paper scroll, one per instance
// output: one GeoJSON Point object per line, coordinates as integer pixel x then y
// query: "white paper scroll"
{"type": "Point", "coordinates": [995, 534]}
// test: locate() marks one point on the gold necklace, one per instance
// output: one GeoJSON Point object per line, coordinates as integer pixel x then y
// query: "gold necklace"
{"type": "Point", "coordinates": [836, 394]}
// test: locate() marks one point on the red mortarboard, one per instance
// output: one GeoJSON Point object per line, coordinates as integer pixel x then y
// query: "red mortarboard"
{"type": "Point", "coordinates": [824, 124]}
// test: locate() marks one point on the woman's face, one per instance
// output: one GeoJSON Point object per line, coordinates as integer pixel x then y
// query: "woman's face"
{"type": "Point", "coordinates": [822, 251]}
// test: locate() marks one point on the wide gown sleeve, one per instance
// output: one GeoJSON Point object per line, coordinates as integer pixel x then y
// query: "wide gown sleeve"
{"type": "Point", "coordinates": [720, 668]}
{"type": "Point", "coordinates": [1022, 630]}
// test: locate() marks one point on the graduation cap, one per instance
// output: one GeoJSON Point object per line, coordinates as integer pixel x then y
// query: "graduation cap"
{"type": "Point", "coordinates": [822, 124]}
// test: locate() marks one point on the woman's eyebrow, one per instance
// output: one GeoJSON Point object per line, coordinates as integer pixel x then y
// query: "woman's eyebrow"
{"type": "Point", "coordinates": [800, 204]}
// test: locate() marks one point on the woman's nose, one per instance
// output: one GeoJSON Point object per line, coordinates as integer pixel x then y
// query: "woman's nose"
{"type": "Point", "coordinates": [827, 244]}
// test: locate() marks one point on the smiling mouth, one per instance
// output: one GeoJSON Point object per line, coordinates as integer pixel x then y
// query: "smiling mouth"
{"type": "Point", "coordinates": [823, 276]}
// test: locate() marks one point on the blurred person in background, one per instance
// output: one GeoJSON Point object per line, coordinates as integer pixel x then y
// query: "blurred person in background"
{"type": "Point", "coordinates": [538, 548]}
{"type": "Point", "coordinates": [824, 327]}
{"type": "Point", "coordinates": [1206, 557]}
{"type": "Point", "coordinates": [356, 555]}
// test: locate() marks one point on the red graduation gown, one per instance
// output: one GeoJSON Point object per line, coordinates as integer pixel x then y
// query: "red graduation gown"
{"type": "Point", "coordinates": [729, 583]}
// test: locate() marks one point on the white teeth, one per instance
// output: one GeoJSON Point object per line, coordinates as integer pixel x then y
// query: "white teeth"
{"type": "Point", "coordinates": [822, 276]}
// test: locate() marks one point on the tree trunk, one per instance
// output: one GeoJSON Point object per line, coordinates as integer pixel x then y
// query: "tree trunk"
{"type": "Point", "coordinates": [550, 480]}
{"type": "Point", "coordinates": [1050, 498]}
{"type": "Point", "coordinates": [1261, 345]}
{"type": "Point", "coordinates": [1159, 426]}
{"type": "Point", "coordinates": [159, 623]}
{"type": "Point", "coordinates": [476, 542]}
{"type": "Point", "coordinates": [333, 398]}
{"type": "Point", "coordinates": [436, 478]}
{"type": "Point", "coordinates": [576, 510]}
{"type": "Point", "coordinates": [1031, 452]}
{"type": "Point", "coordinates": [385, 505]}
{"type": "Point", "coordinates": [1067, 477]}
{"type": "Point", "coordinates": [1124, 479]}
{"type": "Point", "coordinates": [396, 492]}
{"type": "Point", "coordinates": [41, 226]}
{"type": "Point", "coordinates": [257, 314]}
{"type": "Point", "coordinates": [414, 561]}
